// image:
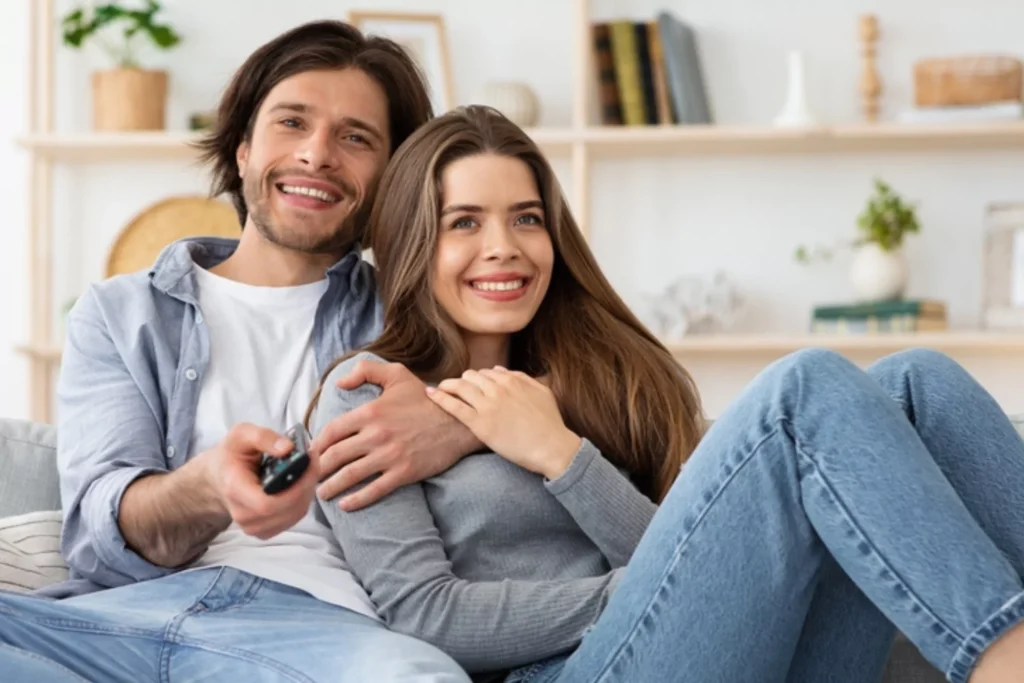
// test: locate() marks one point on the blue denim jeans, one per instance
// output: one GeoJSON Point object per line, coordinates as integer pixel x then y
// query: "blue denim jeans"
{"type": "Point", "coordinates": [215, 624]}
{"type": "Point", "coordinates": [825, 506]}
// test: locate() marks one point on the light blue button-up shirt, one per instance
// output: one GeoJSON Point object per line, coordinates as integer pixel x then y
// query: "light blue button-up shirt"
{"type": "Point", "coordinates": [134, 360]}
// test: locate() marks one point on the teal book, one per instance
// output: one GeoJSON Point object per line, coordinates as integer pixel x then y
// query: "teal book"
{"type": "Point", "coordinates": [925, 308]}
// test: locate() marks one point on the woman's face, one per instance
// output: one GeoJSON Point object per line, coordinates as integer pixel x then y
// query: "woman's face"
{"type": "Point", "coordinates": [494, 252]}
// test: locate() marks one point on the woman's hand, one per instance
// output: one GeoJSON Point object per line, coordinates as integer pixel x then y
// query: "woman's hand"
{"type": "Point", "coordinates": [514, 415]}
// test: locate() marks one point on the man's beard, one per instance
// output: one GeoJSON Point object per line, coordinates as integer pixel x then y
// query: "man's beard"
{"type": "Point", "coordinates": [338, 240]}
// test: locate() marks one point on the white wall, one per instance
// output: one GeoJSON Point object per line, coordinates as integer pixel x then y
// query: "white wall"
{"type": "Point", "coordinates": [653, 218]}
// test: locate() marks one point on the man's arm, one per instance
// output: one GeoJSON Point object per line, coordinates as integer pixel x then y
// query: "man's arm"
{"type": "Point", "coordinates": [108, 436]}
{"type": "Point", "coordinates": [170, 519]}
{"type": "Point", "coordinates": [401, 436]}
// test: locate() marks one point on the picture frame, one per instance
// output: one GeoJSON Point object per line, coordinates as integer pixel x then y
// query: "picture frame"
{"type": "Point", "coordinates": [1003, 307]}
{"type": "Point", "coordinates": [424, 37]}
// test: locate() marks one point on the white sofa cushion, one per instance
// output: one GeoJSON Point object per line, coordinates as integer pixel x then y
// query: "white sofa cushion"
{"type": "Point", "coordinates": [30, 551]}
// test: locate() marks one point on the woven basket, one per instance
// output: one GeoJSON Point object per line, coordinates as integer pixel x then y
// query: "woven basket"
{"type": "Point", "coordinates": [968, 80]}
{"type": "Point", "coordinates": [128, 99]}
{"type": "Point", "coordinates": [167, 221]}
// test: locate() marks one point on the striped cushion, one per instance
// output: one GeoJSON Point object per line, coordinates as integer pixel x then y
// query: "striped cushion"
{"type": "Point", "coordinates": [30, 551]}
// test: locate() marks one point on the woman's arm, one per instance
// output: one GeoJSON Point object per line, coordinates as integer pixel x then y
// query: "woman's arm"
{"type": "Point", "coordinates": [604, 503]}
{"type": "Point", "coordinates": [396, 552]}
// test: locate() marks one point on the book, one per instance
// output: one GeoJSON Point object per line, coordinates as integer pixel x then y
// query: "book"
{"type": "Point", "coordinates": [891, 324]}
{"type": "Point", "coordinates": [685, 71]}
{"type": "Point", "coordinates": [627, 72]}
{"type": "Point", "coordinates": [927, 308]}
{"type": "Point", "coordinates": [607, 88]}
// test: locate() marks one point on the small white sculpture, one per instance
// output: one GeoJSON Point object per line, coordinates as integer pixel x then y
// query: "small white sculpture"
{"type": "Point", "coordinates": [796, 112]}
{"type": "Point", "coordinates": [693, 305]}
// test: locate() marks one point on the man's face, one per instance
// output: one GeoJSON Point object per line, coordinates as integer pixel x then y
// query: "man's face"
{"type": "Point", "coordinates": [318, 147]}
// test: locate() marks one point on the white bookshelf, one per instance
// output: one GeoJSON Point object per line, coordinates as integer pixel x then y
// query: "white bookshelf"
{"type": "Point", "coordinates": [582, 142]}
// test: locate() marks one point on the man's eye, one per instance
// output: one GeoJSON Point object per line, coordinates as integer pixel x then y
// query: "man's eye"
{"type": "Point", "coordinates": [357, 138]}
{"type": "Point", "coordinates": [291, 123]}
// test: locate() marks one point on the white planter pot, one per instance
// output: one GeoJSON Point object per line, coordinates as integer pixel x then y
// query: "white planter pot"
{"type": "Point", "coordinates": [877, 274]}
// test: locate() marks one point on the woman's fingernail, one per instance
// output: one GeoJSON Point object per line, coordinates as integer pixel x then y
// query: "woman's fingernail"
{"type": "Point", "coordinates": [431, 390]}
{"type": "Point", "coordinates": [282, 444]}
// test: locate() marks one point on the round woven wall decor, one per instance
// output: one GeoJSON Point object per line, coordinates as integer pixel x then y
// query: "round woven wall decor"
{"type": "Point", "coordinates": [164, 222]}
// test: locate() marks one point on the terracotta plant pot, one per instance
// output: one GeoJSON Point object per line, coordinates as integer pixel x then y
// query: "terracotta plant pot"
{"type": "Point", "coordinates": [128, 99]}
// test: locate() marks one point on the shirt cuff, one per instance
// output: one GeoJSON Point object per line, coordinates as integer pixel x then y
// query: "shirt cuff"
{"type": "Point", "coordinates": [574, 472]}
{"type": "Point", "coordinates": [110, 545]}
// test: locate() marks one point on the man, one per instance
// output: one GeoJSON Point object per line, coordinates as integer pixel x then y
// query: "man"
{"type": "Point", "coordinates": [176, 381]}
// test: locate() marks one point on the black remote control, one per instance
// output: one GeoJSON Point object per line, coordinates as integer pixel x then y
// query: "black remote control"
{"type": "Point", "coordinates": [278, 473]}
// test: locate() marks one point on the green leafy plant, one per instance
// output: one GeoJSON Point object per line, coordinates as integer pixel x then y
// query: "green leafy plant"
{"type": "Point", "coordinates": [885, 221]}
{"type": "Point", "coordinates": [84, 23]}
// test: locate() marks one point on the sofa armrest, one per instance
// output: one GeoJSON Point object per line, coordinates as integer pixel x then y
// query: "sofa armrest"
{"type": "Point", "coordinates": [28, 467]}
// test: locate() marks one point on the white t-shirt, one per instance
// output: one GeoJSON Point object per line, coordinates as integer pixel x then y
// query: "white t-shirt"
{"type": "Point", "coordinates": [263, 371]}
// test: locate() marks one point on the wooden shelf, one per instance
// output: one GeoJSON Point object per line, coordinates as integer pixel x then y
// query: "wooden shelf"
{"type": "Point", "coordinates": [613, 141]}
{"type": "Point", "coordinates": [885, 343]}
{"type": "Point", "coordinates": [621, 141]}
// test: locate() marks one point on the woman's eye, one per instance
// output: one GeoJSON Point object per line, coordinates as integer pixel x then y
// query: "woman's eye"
{"type": "Point", "coordinates": [291, 123]}
{"type": "Point", "coordinates": [529, 219]}
{"type": "Point", "coordinates": [463, 223]}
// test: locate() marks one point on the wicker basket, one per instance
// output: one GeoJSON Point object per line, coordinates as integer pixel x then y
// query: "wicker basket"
{"type": "Point", "coordinates": [968, 80]}
{"type": "Point", "coordinates": [128, 99]}
{"type": "Point", "coordinates": [166, 221]}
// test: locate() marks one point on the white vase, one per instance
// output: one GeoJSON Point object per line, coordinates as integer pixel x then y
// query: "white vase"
{"type": "Point", "coordinates": [796, 111]}
{"type": "Point", "coordinates": [516, 101]}
{"type": "Point", "coordinates": [877, 274]}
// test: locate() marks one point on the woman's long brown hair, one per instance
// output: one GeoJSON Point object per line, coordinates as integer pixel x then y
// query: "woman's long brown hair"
{"type": "Point", "coordinates": [615, 383]}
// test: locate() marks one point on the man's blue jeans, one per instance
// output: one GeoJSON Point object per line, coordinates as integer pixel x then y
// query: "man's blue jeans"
{"type": "Point", "coordinates": [206, 625]}
{"type": "Point", "coordinates": [824, 506]}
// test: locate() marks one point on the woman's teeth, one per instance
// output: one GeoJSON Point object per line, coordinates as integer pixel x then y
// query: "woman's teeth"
{"type": "Point", "coordinates": [506, 286]}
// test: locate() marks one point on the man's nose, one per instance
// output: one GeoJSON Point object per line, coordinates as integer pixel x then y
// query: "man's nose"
{"type": "Point", "coordinates": [318, 150]}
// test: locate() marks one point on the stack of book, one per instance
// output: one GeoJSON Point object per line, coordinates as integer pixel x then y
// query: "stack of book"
{"type": "Point", "coordinates": [895, 316]}
{"type": "Point", "coordinates": [649, 72]}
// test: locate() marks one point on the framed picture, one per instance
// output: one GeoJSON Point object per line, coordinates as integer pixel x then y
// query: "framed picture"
{"type": "Point", "coordinates": [425, 38]}
{"type": "Point", "coordinates": [1004, 267]}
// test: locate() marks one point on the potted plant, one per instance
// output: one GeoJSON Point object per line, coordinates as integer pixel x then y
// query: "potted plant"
{"type": "Point", "coordinates": [878, 270]}
{"type": "Point", "coordinates": [126, 97]}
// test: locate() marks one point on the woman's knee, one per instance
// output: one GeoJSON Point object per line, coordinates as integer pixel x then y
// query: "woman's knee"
{"type": "Point", "coordinates": [916, 364]}
{"type": "Point", "coordinates": [816, 364]}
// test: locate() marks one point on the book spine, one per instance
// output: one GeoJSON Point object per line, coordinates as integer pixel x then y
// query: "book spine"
{"type": "Point", "coordinates": [664, 105]}
{"type": "Point", "coordinates": [627, 72]}
{"type": "Point", "coordinates": [643, 52]}
{"type": "Point", "coordinates": [607, 87]}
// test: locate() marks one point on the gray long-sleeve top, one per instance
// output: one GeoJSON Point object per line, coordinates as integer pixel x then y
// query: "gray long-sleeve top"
{"type": "Point", "coordinates": [491, 563]}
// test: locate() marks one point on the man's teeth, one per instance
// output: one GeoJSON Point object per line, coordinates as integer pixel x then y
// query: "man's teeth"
{"type": "Point", "coordinates": [309, 192]}
{"type": "Point", "coordinates": [506, 286]}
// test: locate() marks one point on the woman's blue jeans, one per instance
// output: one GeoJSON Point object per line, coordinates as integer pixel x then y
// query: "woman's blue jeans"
{"type": "Point", "coordinates": [825, 508]}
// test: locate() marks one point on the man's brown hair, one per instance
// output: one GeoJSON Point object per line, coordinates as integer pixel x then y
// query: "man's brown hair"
{"type": "Point", "coordinates": [311, 46]}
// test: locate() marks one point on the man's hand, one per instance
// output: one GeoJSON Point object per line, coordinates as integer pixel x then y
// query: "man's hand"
{"type": "Point", "coordinates": [233, 467]}
{"type": "Point", "coordinates": [402, 436]}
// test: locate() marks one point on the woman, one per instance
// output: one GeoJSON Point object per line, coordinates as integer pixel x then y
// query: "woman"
{"type": "Point", "coordinates": [814, 514]}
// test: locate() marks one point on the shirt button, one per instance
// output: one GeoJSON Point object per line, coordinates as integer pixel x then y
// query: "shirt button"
{"type": "Point", "coordinates": [170, 451]}
{"type": "Point", "coordinates": [191, 374]}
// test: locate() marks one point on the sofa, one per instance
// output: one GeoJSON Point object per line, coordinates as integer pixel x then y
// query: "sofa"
{"type": "Point", "coordinates": [30, 526]}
